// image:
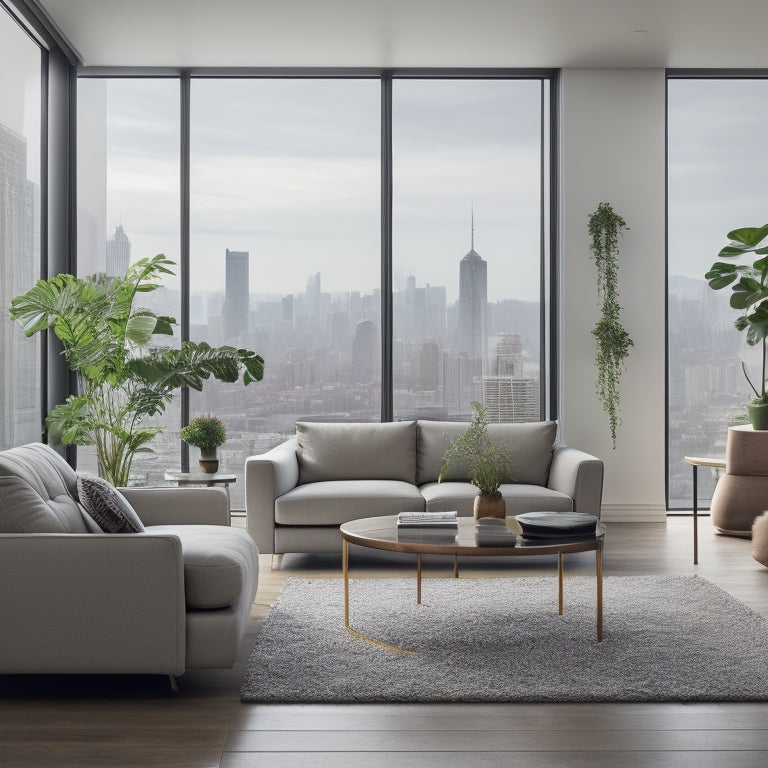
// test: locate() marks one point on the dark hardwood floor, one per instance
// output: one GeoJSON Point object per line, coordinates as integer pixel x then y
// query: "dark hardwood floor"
{"type": "Point", "coordinates": [137, 721]}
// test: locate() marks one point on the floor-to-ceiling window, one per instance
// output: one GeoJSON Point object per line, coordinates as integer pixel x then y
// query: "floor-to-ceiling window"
{"type": "Point", "coordinates": [467, 247]}
{"type": "Point", "coordinates": [291, 237]}
{"type": "Point", "coordinates": [21, 98]}
{"type": "Point", "coordinates": [128, 208]}
{"type": "Point", "coordinates": [717, 165]}
{"type": "Point", "coordinates": [285, 250]}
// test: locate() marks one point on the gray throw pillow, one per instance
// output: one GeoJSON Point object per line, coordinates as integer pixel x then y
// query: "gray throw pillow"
{"type": "Point", "coordinates": [107, 506]}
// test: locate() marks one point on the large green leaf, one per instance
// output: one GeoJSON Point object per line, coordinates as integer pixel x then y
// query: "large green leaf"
{"type": "Point", "coordinates": [140, 327]}
{"type": "Point", "coordinates": [749, 236]}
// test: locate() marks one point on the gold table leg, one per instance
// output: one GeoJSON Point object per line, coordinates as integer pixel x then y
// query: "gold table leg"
{"type": "Point", "coordinates": [354, 633]}
{"type": "Point", "coordinates": [418, 579]}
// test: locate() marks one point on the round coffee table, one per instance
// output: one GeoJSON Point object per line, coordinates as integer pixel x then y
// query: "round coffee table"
{"type": "Point", "coordinates": [382, 533]}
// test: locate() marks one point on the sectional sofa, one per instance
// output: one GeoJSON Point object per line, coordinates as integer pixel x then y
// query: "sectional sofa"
{"type": "Point", "coordinates": [298, 493]}
{"type": "Point", "coordinates": [167, 588]}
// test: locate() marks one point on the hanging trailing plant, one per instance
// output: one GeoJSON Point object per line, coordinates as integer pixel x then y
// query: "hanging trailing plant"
{"type": "Point", "coordinates": [613, 341]}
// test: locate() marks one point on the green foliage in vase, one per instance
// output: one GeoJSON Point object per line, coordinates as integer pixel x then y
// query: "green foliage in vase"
{"type": "Point", "coordinates": [613, 341]}
{"type": "Point", "coordinates": [749, 292]}
{"type": "Point", "coordinates": [206, 432]}
{"type": "Point", "coordinates": [488, 465]}
{"type": "Point", "coordinates": [122, 376]}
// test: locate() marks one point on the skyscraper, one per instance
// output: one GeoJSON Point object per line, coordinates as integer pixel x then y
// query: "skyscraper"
{"type": "Point", "coordinates": [118, 253]}
{"type": "Point", "coordinates": [19, 265]}
{"type": "Point", "coordinates": [235, 310]}
{"type": "Point", "coordinates": [471, 333]}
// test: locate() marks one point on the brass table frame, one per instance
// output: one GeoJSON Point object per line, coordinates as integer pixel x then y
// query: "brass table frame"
{"type": "Point", "coordinates": [381, 533]}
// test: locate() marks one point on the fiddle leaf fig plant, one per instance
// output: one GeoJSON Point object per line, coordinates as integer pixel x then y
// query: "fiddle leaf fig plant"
{"type": "Point", "coordinates": [122, 376]}
{"type": "Point", "coordinates": [749, 292]}
{"type": "Point", "coordinates": [613, 340]}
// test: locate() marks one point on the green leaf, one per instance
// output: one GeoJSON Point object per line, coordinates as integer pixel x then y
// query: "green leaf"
{"type": "Point", "coordinates": [139, 328]}
{"type": "Point", "coordinates": [730, 251]}
{"type": "Point", "coordinates": [165, 325]}
{"type": "Point", "coordinates": [716, 283]}
{"type": "Point", "coordinates": [749, 236]}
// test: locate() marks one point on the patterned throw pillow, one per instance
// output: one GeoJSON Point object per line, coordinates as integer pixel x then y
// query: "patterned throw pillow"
{"type": "Point", "coordinates": [106, 505]}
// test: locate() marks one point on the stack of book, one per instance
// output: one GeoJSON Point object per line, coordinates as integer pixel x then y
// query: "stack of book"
{"type": "Point", "coordinates": [493, 532]}
{"type": "Point", "coordinates": [434, 527]}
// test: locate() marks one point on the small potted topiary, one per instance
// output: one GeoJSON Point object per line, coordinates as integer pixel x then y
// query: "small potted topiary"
{"type": "Point", "coordinates": [488, 465]}
{"type": "Point", "coordinates": [207, 433]}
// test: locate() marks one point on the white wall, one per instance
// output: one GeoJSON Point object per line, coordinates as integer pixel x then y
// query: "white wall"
{"type": "Point", "coordinates": [612, 133]}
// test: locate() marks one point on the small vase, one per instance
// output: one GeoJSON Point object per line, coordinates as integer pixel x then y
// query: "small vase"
{"type": "Point", "coordinates": [209, 461]}
{"type": "Point", "coordinates": [758, 415]}
{"type": "Point", "coordinates": [490, 506]}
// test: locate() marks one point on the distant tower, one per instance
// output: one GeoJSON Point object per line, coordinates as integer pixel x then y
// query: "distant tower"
{"type": "Point", "coordinates": [235, 310]}
{"type": "Point", "coordinates": [366, 353]}
{"type": "Point", "coordinates": [473, 298]}
{"type": "Point", "coordinates": [118, 253]}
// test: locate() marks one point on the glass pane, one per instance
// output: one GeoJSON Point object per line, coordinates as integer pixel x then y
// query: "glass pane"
{"type": "Point", "coordinates": [128, 208]}
{"type": "Point", "coordinates": [717, 165]}
{"type": "Point", "coordinates": [285, 252]}
{"type": "Point", "coordinates": [20, 220]}
{"type": "Point", "coordinates": [467, 260]}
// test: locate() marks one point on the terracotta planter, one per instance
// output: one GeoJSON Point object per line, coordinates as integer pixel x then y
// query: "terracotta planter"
{"type": "Point", "coordinates": [490, 506]}
{"type": "Point", "coordinates": [209, 461]}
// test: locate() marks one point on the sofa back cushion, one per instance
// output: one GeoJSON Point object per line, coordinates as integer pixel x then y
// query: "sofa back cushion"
{"type": "Point", "coordinates": [38, 492]}
{"type": "Point", "coordinates": [356, 451]}
{"type": "Point", "coordinates": [531, 445]}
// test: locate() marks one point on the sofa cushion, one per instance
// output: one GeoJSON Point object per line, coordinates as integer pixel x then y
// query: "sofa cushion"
{"type": "Point", "coordinates": [218, 562]}
{"type": "Point", "coordinates": [336, 501]}
{"type": "Point", "coordinates": [356, 451]}
{"type": "Point", "coordinates": [108, 507]}
{"type": "Point", "coordinates": [531, 445]}
{"type": "Point", "coordinates": [38, 492]}
{"type": "Point", "coordinates": [520, 498]}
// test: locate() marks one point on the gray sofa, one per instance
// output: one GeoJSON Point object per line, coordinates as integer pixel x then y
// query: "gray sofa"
{"type": "Point", "coordinates": [174, 596]}
{"type": "Point", "coordinates": [298, 493]}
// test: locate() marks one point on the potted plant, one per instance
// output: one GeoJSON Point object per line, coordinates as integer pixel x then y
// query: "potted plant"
{"type": "Point", "coordinates": [206, 433]}
{"type": "Point", "coordinates": [122, 377]}
{"type": "Point", "coordinates": [750, 296]}
{"type": "Point", "coordinates": [613, 341]}
{"type": "Point", "coordinates": [488, 465]}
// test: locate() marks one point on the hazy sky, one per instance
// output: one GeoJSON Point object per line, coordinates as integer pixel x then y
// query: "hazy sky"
{"type": "Point", "coordinates": [718, 167]}
{"type": "Point", "coordinates": [289, 170]}
{"type": "Point", "coordinates": [20, 94]}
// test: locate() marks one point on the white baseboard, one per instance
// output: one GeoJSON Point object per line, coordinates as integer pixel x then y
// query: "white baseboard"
{"type": "Point", "coordinates": [633, 513]}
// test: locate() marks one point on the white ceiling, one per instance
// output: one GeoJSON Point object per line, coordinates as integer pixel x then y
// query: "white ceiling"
{"type": "Point", "coordinates": [416, 33]}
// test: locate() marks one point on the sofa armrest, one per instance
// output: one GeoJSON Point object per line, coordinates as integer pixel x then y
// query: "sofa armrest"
{"type": "Point", "coordinates": [179, 506]}
{"type": "Point", "coordinates": [267, 476]}
{"type": "Point", "coordinates": [580, 476]}
{"type": "Point", "coordinates": [92, 603]}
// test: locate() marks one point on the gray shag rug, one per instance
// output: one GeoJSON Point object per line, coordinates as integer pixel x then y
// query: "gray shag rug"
{"type": "Point", "coordinates": [666, 638]}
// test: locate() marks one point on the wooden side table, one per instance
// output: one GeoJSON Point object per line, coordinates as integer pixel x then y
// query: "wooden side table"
{"type": "Point", "coordinates": [209, 479]}
{"type": "Point", "coordinates": [697, 462]}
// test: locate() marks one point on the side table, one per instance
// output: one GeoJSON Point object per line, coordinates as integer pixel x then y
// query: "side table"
{"type": "Point", "coordinates": [696, 462]}
{"type": "Point", "coordinates": [209, 479]}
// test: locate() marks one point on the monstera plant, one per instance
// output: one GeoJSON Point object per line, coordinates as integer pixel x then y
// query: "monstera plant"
{"type": "Point", "coordinates": [123, 375]}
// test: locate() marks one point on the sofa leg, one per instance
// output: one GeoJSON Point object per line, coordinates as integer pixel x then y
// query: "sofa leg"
{"type": "Point", "coordinates": [174, 685]}
{"type": "Point", "coordinates": [277, 562]}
